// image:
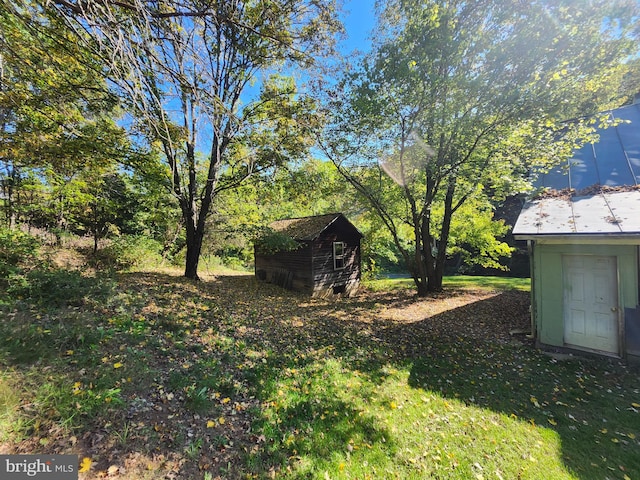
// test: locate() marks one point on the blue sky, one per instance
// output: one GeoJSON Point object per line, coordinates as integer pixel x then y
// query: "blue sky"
{"type": "Point", "coordinates": [358, 19]}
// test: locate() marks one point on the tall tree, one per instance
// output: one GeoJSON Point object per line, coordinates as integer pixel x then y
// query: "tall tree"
{"type": "Point", "coordinates": [461, 99]}
{"type": "Point", "coordinates": [188, 71]}
{"type": "Point", "coordinates": [56, 114]}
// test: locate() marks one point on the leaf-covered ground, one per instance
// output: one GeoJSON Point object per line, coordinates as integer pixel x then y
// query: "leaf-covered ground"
{"type": "Point", "coordinates": [154, 376]}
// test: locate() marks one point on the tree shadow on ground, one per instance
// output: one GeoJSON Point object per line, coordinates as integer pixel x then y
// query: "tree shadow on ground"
{"type": "Point", "coordinates": [199, 366]}
{"type": "Point", "coordinates": [586, 401]}
{"type": "Point", "coordinates": [464, 349]}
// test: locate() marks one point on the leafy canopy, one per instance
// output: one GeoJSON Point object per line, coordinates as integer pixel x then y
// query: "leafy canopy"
{"type": "Point", "coordinates": [461, 99]}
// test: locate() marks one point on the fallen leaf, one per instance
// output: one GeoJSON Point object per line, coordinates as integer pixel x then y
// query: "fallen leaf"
{"type": "Point", "coordinates": [85, 465]}
{"type": "Point", "coordinates": [118, 365]}
{"type": "Point", "coordinates": [211, 424]}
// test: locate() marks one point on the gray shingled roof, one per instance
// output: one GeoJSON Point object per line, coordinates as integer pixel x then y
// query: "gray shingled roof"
{"type": "Point", "coordinates": [306, 228]}
{"type": "Point", "coordinates": [596, 192]}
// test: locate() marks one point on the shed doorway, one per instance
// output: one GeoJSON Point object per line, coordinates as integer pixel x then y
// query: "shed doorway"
{"type": "Point", "coordinates": [591, 320]}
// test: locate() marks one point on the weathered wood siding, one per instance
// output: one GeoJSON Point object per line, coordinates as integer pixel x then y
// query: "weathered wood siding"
{"type": "Point", "coordinates": [292, 270]}
{"type": "Point", "coordinates": [311, 268]}
{"type": "Point", "coordinates": [326, 279]}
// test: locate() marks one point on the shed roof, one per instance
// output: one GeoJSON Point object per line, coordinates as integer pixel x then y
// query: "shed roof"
{"type": "Point", "coordinates": [605, 212]}
{"type": "Point", "coordinates": [613, 161]}
{"type": "Point", "coordinates": [308, 228]}
{"type": "Point", "coordinates": [597, 191]}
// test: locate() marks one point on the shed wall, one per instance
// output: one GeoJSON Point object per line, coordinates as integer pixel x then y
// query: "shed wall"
{"type": "Point", "coordinates": [292, 270]}
{"type": "Point", "coordinates": [326, 279]}
{"type": "Point", "coordinates": [311, 268]}
{"type": "Point", "coordinates": [548, 288]}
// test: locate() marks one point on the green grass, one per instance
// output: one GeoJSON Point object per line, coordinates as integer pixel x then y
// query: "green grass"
{"type": "Point", "coordinates": [239, 379]}
{"type": "Point", "coordinates": [468, 414]}
{"type": "Point", "coordinates": [456, 281]}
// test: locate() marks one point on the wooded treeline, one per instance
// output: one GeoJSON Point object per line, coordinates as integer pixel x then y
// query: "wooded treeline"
{"type": "Point", "coordinates": [196, 123]}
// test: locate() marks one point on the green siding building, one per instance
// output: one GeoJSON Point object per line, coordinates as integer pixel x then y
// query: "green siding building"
{"type": "Point", "coordinates": [583, 236]}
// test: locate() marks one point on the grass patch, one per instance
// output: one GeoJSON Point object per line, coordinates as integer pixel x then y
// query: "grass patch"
{"type": "Point", "coordinates": [455, 282]}
{"type": "Point", "coordinates": [234, 378]}
{"type": "Point", "coordinates": [9, 404]}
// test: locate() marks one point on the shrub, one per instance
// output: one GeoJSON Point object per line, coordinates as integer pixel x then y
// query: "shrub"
{"type": "Point", "coordinates": [130, 251]}
{"type": "Point", "coordinates": [18, 254]}
{"type": "Point", "coordinates": [17, 251]}
{"type": "Point", "coordinates": [57, 288]}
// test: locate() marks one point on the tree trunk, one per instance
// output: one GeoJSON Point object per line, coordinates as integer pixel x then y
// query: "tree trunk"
{"type": "Point", "coordinates": [195, 236]}
{"type": "Point", "coordinates": [435, 279]}
{"type": "Point", "coordinates": [423, 289]}
{"type": "Point", "coordinates": [194, 246]}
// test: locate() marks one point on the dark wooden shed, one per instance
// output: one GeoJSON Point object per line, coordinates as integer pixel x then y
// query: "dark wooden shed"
{"type": "Point", "coordinates": [326, 261]}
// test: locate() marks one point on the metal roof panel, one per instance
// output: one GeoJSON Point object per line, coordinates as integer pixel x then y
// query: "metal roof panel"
{"type": "Point", "coordinates": [602, 213]}
{"type": "Point", "coordinates": [626, 209]}
{"type": "Point", "coordinates": [592, 214]}
{"type": "Point", "coordinates": [612, 161]}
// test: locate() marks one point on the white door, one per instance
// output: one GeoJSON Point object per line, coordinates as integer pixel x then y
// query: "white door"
{"type": "Point", "coordinates": [591, 302]}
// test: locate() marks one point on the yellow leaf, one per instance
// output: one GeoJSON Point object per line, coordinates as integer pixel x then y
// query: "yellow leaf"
{"type": "Point", "coordinates": [211, 424]}
{"type": "Point", "coordinates": [604, 430]}
{"type": "Point", "coordinates": [552, 422]}
{"type": "Point", "coordinates": [393, 405]}
{"type": "Point", "coordinates": [69, 352]}
{"type": "Point", "coordinates": [227, 399]}
{"type": "Point", "coordinates": [85, 465]}
{"type": "Point", "coordinates": [635, 405]}
{"type": "Point", "coordinates": [118, 365]}
{"type": "Point", "coordinates": [221, 420]}
{"type": "Point", "coordinates": [615, 440]}
{"type": "Point", "coordinates": [632, 436]}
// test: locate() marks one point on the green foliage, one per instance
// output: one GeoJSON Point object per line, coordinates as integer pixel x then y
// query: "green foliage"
{"type": "Point", "coordinates": [211, 53]}
{"type": "Point", "coordinates": [19, 255]}
{"type": "Point", "coordinates": [475, 235]}
{"type": "Point", "coordinates": [52, 287]}
{"type": "Point", "coordinates": [462, 101]}
{"type": "Point", "coordinates": [59, 134]}
{"type": "Point", "coordinates": [312, 187]}
{"type": "Point", "coordinates": [18, 250]}
{"type": "Point", "coordinates": [272, 242]}
{"type": "Point", "coordinates": [129, 251]}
